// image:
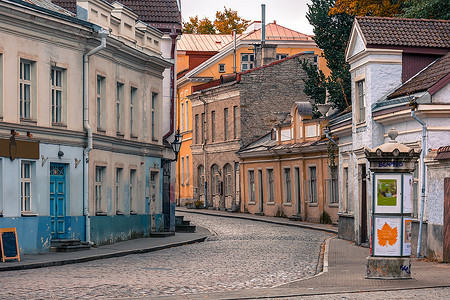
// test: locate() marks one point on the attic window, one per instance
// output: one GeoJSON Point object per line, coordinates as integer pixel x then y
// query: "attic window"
{"type": "Point", "coordinates": [221, 68]}
{"type": "Point", "coordinates": [156, 42]}
{"type": "Point", "coordinates": [149, 40]}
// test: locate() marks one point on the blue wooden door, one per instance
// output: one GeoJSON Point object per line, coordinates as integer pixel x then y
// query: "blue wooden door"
{"type": "Point", "coordinates": [58, 200]}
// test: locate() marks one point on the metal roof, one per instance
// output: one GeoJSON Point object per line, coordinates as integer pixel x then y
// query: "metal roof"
{"type": "Point", "coordinates": [203, 42]}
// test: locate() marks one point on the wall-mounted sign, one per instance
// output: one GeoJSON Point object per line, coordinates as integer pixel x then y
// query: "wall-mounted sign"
{"type": "Point", "coordinates": [407, 193]}
{"type": "Point", "coordinates": [388, 193]}
{"type": "Point", "coordinates": [387, 236]}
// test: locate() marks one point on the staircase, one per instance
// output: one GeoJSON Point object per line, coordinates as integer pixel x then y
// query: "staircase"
{"type": "Point", "coordinates": [68, 245]}
{"type": "Point", "coordinates": [182, 225]}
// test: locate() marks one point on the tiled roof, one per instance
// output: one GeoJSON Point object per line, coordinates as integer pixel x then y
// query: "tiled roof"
{"type": "Point", "coordinates": [47, 4]}
{"type": "Point", "coordinates": [275, 32]}
{"type": "Point", "coordinates": [203, 42]}
{"type": "Point", "coordinates": [405, 32]}
{"type": "Point", "coordinates": [443, 153]}
{"type": "Point", "coordinates": [149, 11]}
{"type": "Point", "coordinates": [426, 78]}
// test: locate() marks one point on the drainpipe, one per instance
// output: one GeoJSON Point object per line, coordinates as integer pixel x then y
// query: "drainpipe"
{"type": "Point", "coordinates": [422, 175]}
{"type": "Point", "coordinates": [327, 134]}
{"type": "Point", "coordinates": [103, 33]}
{"type": "Point", "coordinates": [173, 36]}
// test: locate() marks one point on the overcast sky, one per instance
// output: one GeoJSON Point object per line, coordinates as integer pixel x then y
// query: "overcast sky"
{"type": "Point", "coordinates": [288, 13]}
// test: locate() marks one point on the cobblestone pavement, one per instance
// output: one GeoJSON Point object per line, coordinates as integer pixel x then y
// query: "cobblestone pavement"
{"type": "Point", "coordinates": [241, 254]}
{"type": "Point", "coordinates": [431, 293]}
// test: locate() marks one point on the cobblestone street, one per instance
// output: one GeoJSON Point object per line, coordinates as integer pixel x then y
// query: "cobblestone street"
{"type": "Point", "coordinates": [241, 254]}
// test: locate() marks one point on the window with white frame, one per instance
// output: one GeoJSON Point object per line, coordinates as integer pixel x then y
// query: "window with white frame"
{"type": "Point", "coordinates": [187, 169]}
{"type": "Point", "coordinates": [118, 191]}
{"type": "Point", "coordinates": [415, 213]}
{"type": "Point", "coordinates": [281, 56]}
{"type": "Point", "coordinates": [132, 191]}
{"type": "Point", "coordinates": [182, 170]}
{"type": "Point", "coordinates": [251, 186]}
{"type": "Point", "coordinates": [57, 94]}
{"type": "Point", "coordinates": [287, 185]}
{"type": "Point", "coordinates": [345, 190]}
{"type": "Point", "coordinates": [1, 85]}
{"type": "Point", "coordinates": [227, 173]}
{"type": "Point", "coordinates": [154, 121]}
{"type": "Point", "coordinates": [187, 115]}
{"type": "Point", "coordinates": [99, 174]}
{"type": "Point", "coordinates": [182, 117]}
{"type": "Point", "coordinates": [133, 108]}
{"type": "Point", "coordinates": [360, 101]}
{"type": "Point", "coordinates": [26, 88]}
{"type": "Point", "coordinates": [221, 68]}
{"type": "Point", "coordinates": [215, 182]}
{"type": "Point", "coordinates": [332, 190]}
{"type": "Point", "coordinates": [100, 96]}
{"type": "Point", "coordinates": [312, 185]}
{"type": "Point", "coordinates": [270, 185]}
{"type": "Point", "coordinates": [247, 61]}
{"type": "Point", "coordinates": [119, 103]}
{"type": "Point", "coordinates": [196, 125]}
{"type": "Point", "coordinates": [25, 186]}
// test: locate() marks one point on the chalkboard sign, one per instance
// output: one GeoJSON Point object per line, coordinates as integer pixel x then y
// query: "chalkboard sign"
{"type": "Point", "coordinates": [9, 244]}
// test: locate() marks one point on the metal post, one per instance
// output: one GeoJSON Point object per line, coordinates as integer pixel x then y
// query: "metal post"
{"type": "Point", "coordinates": [206, 194]}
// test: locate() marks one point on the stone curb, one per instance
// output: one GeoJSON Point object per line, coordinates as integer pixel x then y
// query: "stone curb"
{"type": "Point", "coordinates": [100, 256]}
{"type": "Point", "coordinates": [242, 216]}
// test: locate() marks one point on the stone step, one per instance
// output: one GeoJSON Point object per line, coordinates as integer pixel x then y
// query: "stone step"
{"type": "Point", "coordinates": [161, 234]}
{"type": "Point", "coordinates": [81, 247]}
{"type": "Point", "coordinates": [66, 242]}
{"type": "Point", "coordinates": [185, 228]}
{"type": "Point", "coordinates": [179, 220]}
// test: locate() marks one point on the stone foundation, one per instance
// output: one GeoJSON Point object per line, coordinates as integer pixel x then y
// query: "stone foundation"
{"type": "Point", "coordinates": [388, 268]}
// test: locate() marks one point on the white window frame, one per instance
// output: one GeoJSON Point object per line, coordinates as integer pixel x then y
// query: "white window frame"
{"type": "Point", "coordinates": [282, 56]}
{"type": "Point", "coordinates": [360, 101]}
{"type": "Point", "coordinates": [26, 89]}
{"type": "Point", "coordinates": [221, 68]}
{"type": "Point", "coordinates": [57, 80]}
{"type": "Point", "coordinates": [100, 101]}
{"type": "Point", "coordinates": [186, 128]}
{"type": "Point", "coordinates": [26, 186]}
{"type": "Point", "coordinates": [132, 191]}
{"type": "Point", "coordinates": [133, 108]}
{"type": "Point", "coordinates": [287, 183]}
{"type": "Point", "coordinates": [227, 171]}
{"type": "Point", "coordinates": [251, 186]}
{"type": "Point", "coordinates": [187, 169]}
{"type": "Point", "coordinates": [312, 184]}
{"type": "Point", "coordinates": [182, 116]}
{"type": "Point", "coordinates": [154, 121]}
{"type": "Point", "coordinates": [247, 61]}
{"type": "Point", "coordinates": [182, 170]}
{"type": "Point", "coordinates": [98, 189]}
{"type": "Point", "coordinates": [119, 104]}
{"type": "Point", "coordinates": [270, 178]}
{"type": "Point", "coordinates": [118, 191]}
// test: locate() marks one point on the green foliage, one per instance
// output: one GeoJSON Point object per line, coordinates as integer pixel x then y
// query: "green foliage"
{"type": "Point", "coordinates": [198, 204]}
{"type": "Point", "coordinates": [314, 83]}
{"type": "Point", "coordinates": [325, 218]}
{"type": "Point", "coordinates": [331, 34]}
{"type": "Point", "coordinates": [427, 9]}
{"type": "Point", "coordinates": [225, 23]}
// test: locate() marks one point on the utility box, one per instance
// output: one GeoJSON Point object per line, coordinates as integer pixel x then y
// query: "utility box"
{"type": "Point", "coordinates": [392, 165]}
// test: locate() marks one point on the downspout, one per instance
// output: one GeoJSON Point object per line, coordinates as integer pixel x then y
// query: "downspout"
{"type": "Point", "coordinates": [422, 175]}
{"type": "Point", "coordinates": [327, 134]}
{"type": "Point", "coordinates": [103, 34]}
{"type": "Point", "coordinates": [173, 36]}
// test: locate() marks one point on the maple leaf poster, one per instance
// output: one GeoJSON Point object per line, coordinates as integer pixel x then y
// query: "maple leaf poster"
{"type": "Point", "coordinates": [387, 236]}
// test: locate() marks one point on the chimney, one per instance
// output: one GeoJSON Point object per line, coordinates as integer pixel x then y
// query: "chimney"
{"type": "Point", "coordinates": [264, 53]}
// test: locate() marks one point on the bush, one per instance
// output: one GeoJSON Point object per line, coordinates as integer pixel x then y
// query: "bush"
{"type": "Point", "coordinates": [198, 204]}
{"type": "Point", "coordinates": [325, 218]}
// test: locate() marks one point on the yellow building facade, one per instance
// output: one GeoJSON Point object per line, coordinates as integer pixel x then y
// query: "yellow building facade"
{"type": "Point", "coordinates": [203, 58]}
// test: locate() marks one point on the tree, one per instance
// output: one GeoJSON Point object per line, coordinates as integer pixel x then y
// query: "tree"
{"type": "Point", "coordinates": [203, 26]}
{"type": "Point", "coordinates": [228, 20]}
{"type": "Point", "coordinates": [224, 23]}
{"type": "Point", "coordinates": [315, 82]}
{"type": "Point", "coordinates": [331, 34]}
{"type": "Point", "coordinates": [380, 8]}
{"type": "Point", "coordinates": [429, 9]}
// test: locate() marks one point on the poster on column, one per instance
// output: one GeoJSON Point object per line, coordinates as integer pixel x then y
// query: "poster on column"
{"type": "Point", "coordinates": [407, 236]}
{"type": "Point", "coordinates": [407, 193]}
{"type": "Point", "coordinates": [387, 236]}
{"type": "Point", "coordinates": [388, 195]}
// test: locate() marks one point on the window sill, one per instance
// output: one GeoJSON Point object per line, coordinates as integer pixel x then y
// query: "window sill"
{"type": "Point", "coordinates": [133, 213]}
{"type": "Point", "coordinates": [134, 137]}
{"type": "Point", "coordinates": [287, 204]}
{"type": "Point", "coordinates": [61, 125]}
{"type": "Point", "coordinates": [346, 214]}
{"type": "Point", "coordinates": [333, 204]}
{"type": "Point", "coordinates": [101, 131]}
{"type": "Point", "coordinates": [120, 135]}
{"type": "Point", "coordinates": [29, 214]}
{"type": "Point", "coordinates": [313, 204]}
{"type": "Point", "coordinates": [155, 140]}
{"type": "Point", "coordinates": [270, 203]}
{"type": "Point", "coordinates": [28, 121]}
{"type": "Point", "coordinates": [119, 213]}
{"type": "Point", "coordinates": [100, 213]}
{"type": "Point", "coordinates": [252, 203]}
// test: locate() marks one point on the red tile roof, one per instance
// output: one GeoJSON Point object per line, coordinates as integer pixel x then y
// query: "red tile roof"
{"type": "Point", "coordinates": [275, 32]}
{"type": "Point", "coordinates": [405, 32]}
{"type": "Point", "coordinates": [157, 13]}
{"type": "Point", "coordinates": [425, 79]}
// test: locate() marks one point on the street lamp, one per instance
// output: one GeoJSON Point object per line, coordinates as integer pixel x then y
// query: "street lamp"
{"type": "Point", "coordinates": [176, 145]}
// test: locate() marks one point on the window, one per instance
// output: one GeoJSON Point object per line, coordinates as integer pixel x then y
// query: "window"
{"type": "Point", "coordinates": [25, 186]}
{"type": "Point", "coordinates": [187, 170]}
{"type": "Point", "coordinates": [196, 129]}
{"type": "Point", "coordinates": [270, 185]}
{"type": "Point", "coordinates": [346, 198]}
{"type": "Point", "coordinates": [332, 189]}
{"type": "Point", "coordinates": [312, 185]}
{"type": "Point", "coordinates": [57, 93]}
{"type": "Point", "coordinates": [119, 100]}
{"type": "Point", "coordinates": [132, 195]}
{"type": "Point", "coordinates": [203, 128]}
{"type": "Point", "coordinates": [99, 171]}
{"type": "Point", "coordinates": [415, 213]}
{"type": "Point", "coordinates": [201, 179]}
{"type": "Point", "coordinates": [182, 116]}
{"type": "Point", "coordinates": [316, 60]}
{"type": "Point", "coordinates": [100, 101]}
{"type": "Point", "coordinates": [221, 68]}
{"type": "Point", "coordinates": [182, 170]}
{"type": "Point", "coordinates": [251, 186]}
{"type": "Point", "coordinates": [118, 193]}
{"type": "Point", "coordinates": [213, 126]}
{"type": "Point", "coordinates": [247, 60]}
{"type": "Point", "coordinates": [225, 123]}
{"type": "Point", "coordinates": [287, 185]}
{"type": "Point", "coordinates": [187, 116]}
{"type": "Point", "coordinates": [281, 56]}
{"type": "Point", "coordinates": [261, 189]}
{"type": "Point", "coordinates": [133, 107]}
{"type": "Point", "coordinates": [26, 88]}
{"type": "Point", "coordinates": [361, 101]}
{"type": "Point", "coordinates": [215, 188]}
{"type": "Point", "coordinates": [154, 106]}
{"type": "Point", "coordinates": [235, 120]}
{"type": "Point", "coordinates": [227, 171]}
{"type": "Point", "coordinates": [1, 87]}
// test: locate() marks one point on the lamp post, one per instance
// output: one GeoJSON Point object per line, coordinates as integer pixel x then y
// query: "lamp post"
{"type": "Point", "coordinates": [176, 145]}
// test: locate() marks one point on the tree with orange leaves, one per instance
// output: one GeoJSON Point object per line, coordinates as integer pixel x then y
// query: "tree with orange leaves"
{"type": "Point", "coordinates": [225, 23]}
{"type": "Point", "coordinates": [380, 8]}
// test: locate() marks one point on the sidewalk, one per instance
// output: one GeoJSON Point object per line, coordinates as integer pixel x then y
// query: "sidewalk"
{"type": "Point", "coordinates": [345, 266]}
{"type": "Point", "coordinates": [134, 246]}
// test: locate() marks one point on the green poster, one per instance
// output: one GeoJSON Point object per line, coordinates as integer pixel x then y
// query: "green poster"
{"type": "Point", "coordinates": [387, 192]}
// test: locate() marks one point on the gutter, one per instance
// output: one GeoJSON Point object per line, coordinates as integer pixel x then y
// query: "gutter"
{"type": "Point", "coordinates": [422, 175]}
{"type": "Point", "coordinates": [103, 33]}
